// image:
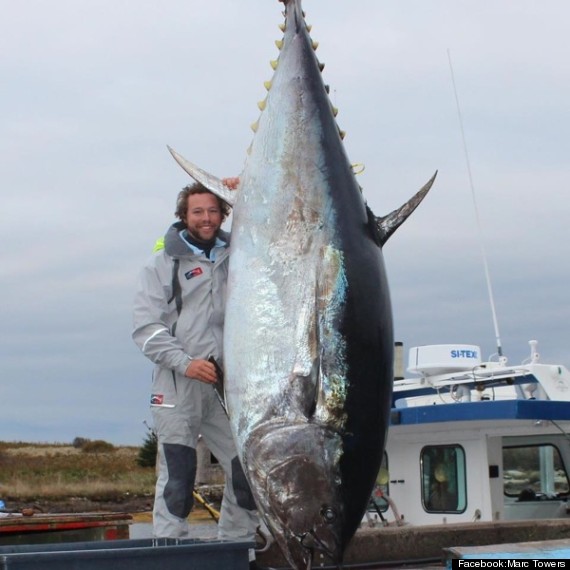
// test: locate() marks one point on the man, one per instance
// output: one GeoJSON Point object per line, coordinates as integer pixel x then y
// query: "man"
{"type": "Point", "coordinates": [178, 324]}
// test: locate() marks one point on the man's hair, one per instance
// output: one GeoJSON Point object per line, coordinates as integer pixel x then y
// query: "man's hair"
{"type": "Point", "coordinates": [197, 188]}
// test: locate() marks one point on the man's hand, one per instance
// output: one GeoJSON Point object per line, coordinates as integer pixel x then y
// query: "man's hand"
{"type": "Point", "coordinates": [232, 183]}
{"type": "Point", "coordinates": [202, 370]}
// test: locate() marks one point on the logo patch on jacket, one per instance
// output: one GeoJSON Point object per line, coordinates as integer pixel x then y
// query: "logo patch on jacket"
{"type": "Point", "coordinates": [156, 399]}
{"type": "Point", "coordinates": [193, 273]}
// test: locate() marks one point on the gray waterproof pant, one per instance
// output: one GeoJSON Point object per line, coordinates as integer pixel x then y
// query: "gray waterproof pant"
{"type": "Point", "coordinates": [178, 430]}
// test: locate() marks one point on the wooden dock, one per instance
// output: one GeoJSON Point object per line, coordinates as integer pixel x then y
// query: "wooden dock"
{"type": "Point", "coordinates": [42, 528]}
{"type": "Point", "coordinates": [409, 543]}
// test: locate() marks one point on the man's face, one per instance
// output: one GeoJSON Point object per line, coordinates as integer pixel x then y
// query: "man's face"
{"type": "Point", "coordinates": [204, 217]}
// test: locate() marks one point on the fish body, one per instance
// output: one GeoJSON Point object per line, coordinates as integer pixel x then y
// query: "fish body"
{"type": "Point", "coordinates": [308, 340]}
{"type": "Point", "coordinates": [308, 333]}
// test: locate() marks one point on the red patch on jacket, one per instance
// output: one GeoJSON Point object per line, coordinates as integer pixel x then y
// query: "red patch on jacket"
{"type": "Point", "coordinates": [193, 273]}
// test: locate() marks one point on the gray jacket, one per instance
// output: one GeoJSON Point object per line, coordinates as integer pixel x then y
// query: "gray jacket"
{"type": "Point", "coordinates": [179, 311]}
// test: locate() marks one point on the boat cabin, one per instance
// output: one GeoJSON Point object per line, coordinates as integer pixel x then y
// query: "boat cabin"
{"type": "Point", "coordinates": [479, 442]}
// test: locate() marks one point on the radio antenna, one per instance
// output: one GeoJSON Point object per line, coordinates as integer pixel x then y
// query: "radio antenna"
{"type": "Point", "coordinates": [502, 358]}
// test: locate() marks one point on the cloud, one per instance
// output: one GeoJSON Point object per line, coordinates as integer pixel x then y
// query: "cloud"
{"type": "Point", "coordinates": [93, 93]}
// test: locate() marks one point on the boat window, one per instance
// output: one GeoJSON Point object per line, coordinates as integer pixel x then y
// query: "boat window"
{"type": "Point", "coordinates": [378, 502]}
{"type": "Point", "coordinates": [534, 472]}
{"type": "Point", "coordinates": [443, 479]}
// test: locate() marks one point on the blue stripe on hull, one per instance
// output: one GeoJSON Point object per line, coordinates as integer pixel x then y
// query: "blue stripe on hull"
{"type": "Point", "coordinates": [472, 411]}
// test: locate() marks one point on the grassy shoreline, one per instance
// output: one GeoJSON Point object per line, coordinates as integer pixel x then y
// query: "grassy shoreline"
{"type": "Point", "coordinates": [43, 472]}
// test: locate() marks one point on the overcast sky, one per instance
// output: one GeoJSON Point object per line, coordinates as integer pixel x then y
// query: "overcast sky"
{"type": "Point", "coordinates": [92, 91]}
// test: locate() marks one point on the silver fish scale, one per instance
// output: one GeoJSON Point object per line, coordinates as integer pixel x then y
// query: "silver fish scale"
{"type": "Point", "coordinates": [286, 277]}
{"type": "Point", "coordinates": [286, 287]}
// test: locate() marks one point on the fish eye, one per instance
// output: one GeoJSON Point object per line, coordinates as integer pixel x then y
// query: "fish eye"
{"type": "Point", "coordinates": [329, 514]}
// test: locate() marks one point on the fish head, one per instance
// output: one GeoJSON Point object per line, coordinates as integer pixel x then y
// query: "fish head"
{"type": "Point", "coordinates": [305, 506]}
{"type": "Point", "coordinates": [297, 491]}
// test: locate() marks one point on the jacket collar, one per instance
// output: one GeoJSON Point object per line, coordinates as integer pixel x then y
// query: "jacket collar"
{"type": "Point", "coordinates": [176, 245]}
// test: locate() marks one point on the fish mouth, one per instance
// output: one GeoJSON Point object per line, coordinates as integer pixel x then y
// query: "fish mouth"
{"type": "Point", "coordinates": [311, 541]}
{"type": "Point", "coordinates": [302, 548]}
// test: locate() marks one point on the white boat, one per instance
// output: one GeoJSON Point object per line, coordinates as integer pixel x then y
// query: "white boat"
{"type": "Point", "coordinates": [477, 453]}
{"type": "Point", "coordinates": [475, 441]}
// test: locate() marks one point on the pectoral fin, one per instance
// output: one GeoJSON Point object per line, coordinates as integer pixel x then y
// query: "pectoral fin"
{"type": "Point", "coordinates": [211, 182]}
{"type": "Point", "coordinates": [387, 225]}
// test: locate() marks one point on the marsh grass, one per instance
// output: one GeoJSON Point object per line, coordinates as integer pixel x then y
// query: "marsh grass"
{"type": "Point", "coordinates": [32, 471]}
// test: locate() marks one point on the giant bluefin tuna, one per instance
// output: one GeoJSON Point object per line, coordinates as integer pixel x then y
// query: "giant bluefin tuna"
{"type": "Point", "coordinates": [308, 349]}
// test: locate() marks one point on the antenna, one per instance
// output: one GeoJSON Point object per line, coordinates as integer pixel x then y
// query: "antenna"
{"type": "Point", "coordinates": [502, 358]}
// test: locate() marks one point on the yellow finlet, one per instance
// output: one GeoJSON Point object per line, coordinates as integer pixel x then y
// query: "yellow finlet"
{"type": "Point", "coordinates": [255, 126]}
{"type": "Point", "coordinates": [321, 66]}
{"type": "Point", "coordinates": [273, 64]}
{"type": "Point", "coordinates": [335, 111]}
{"type": "Point", "coordinates": [267, 85]}
{"type": "Point", "coordinates": [309, 28]}
{"type": "Point", "coordinates": [315, 45]}
{"type": "Point", "coordinates": [279, 44]}
{"type": "Point", "coordinates": [357, 168]}
{"type": "Point", "coordinates": [282, 27]}
{"type": "Point", "coordinates": [342, 134]}
{"type": "Point", "coordinates": [262, 104]}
